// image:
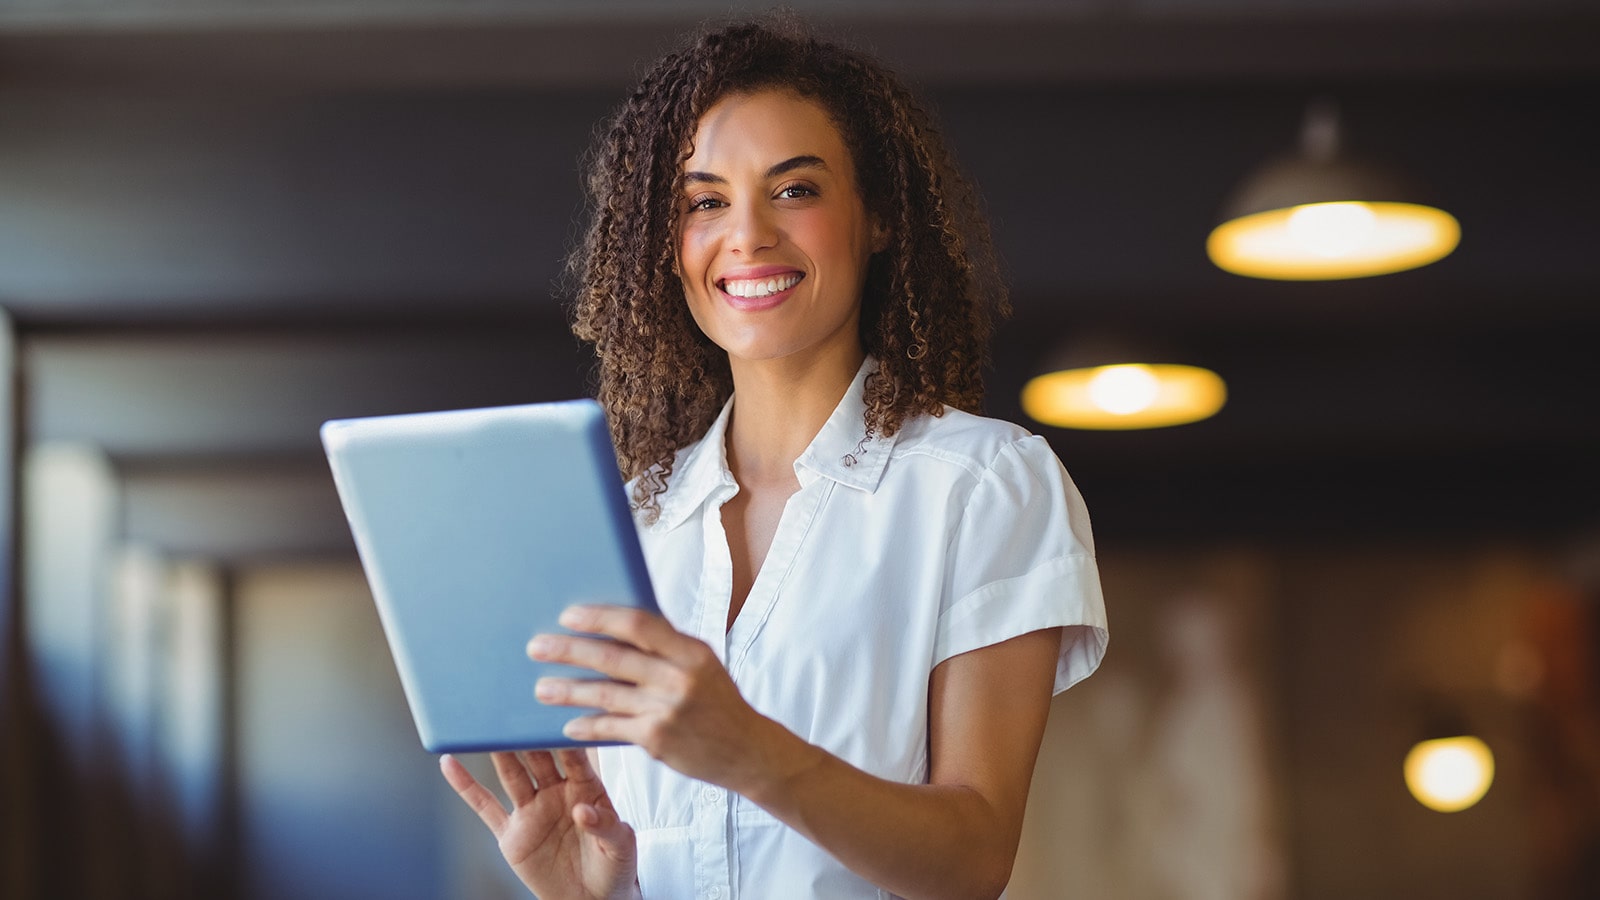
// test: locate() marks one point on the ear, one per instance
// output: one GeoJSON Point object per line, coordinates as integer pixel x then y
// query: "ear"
{"type": "Point", "coordinates": [880, 235]}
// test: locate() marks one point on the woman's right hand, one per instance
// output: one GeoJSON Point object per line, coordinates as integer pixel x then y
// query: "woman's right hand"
{"type": "Point", "coordinates": [562, 836]}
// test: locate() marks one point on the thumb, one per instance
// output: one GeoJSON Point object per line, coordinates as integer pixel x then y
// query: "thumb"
{"type": "Point", "coordinates": [604, 825]}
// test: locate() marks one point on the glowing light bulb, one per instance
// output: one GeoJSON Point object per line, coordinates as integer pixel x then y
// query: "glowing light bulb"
{"type": "Point", "coordinates": [1124, 389]}
{"type": "Point", "coordinates": [1449, 774]}
{"type": "Point", "coordinates": [1332, 230]}
{"type": "Point", "coordinates": [1123, 396]}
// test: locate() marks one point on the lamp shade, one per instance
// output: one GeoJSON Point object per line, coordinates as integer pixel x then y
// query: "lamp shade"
{"type": "Point", "coordinates": [1112, 386]}
{"type": "Point", "coordinates": [1321, 216]}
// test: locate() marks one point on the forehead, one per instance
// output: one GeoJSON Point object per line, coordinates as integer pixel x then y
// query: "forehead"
{"type": "Point", "coordinates": [763, 127]}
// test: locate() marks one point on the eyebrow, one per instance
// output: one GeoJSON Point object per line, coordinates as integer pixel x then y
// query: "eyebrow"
{"type": "Point", "coordinates": [805, 161]}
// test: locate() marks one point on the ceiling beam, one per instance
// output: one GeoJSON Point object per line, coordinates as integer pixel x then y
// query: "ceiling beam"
{"type": "Point", "coordinates": [977, 49]}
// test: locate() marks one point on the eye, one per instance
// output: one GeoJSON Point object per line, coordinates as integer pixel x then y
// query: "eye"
{"type": "Point", "coordinates": [702, 203]}
{"type": "Point", "coordinates": [796, 192]}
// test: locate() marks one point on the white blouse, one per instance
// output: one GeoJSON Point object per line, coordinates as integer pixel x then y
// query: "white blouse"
{"type": "Point", "coordinates": [896, 554]}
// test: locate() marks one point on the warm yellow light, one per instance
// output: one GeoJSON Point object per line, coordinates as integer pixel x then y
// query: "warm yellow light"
{"type": "Point", "coordinates": [1322, 241]}
{"type": "Point", "coordinates": [1449, 774]}
{"type": "Point", "coordinates": [1124, 396]}
{"type": "Point", "coordinates": [1332, 230]}
{"type": "Point", "coordinates": [1123, 390]}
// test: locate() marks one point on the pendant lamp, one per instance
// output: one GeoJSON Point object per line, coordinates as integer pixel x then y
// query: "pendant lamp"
{"type": "Point", "coordinates": [1450, 769]}
{"type": "Point", "coordinates": [1107, 385]}
{"type": "Point", "coordinates": [1320, 215]}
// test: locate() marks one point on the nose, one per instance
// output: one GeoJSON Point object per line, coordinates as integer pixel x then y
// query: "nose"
{"type": "Point", "coordinates": [753, 228]}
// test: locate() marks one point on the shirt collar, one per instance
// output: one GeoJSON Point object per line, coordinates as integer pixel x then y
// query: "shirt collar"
{"type": "Point", "coordinates": [700, 469]}
{"type": "Point", "coordinates": [843, 451]}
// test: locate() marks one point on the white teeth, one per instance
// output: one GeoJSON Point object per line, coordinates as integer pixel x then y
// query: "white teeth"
{"type": "Point", "coordinates": [753, 288]}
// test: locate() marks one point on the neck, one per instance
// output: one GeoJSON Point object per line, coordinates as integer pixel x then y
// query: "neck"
{"type": "Point", "coordinates": [778, 408]}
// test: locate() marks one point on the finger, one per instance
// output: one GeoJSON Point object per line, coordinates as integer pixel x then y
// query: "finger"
{"type": "Point", "coordinates": [610, 658]}
{"type": "Point", "coordinates": [542, 766]}
{"type": "Point", "coordinates": [476, 795]}
{"type": "Point", "coordinates": [610, 696]}
{"type": "Point", "coordinates": [576, 764]}
{"type": "Point", "coordinates": [607, 828]}
{"type": "Point", "coordinates": [647, 631]}
{"type": "Point", "coordinates": [623, 729]}
{"type": "Point", "coordinates": [514, 778]}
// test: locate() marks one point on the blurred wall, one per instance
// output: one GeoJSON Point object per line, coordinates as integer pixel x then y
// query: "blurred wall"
{"type": "Point", "coordinates": [1163, 775]}
{"type": "Point", "coordinates": [1245, 736]}
{"type": "Point", "coordinates": [15, 836]}
{"type": "Point", "coordinates": [337, 800]}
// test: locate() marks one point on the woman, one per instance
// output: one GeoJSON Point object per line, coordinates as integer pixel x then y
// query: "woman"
{"type": "Point", "coordinates": [869, 592]}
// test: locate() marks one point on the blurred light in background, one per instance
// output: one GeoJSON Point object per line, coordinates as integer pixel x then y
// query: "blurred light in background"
{"type": "Point", "coordinates": [1325, 241]}
{"type": "Point", "coordinates": [1320, 216]}
{"type": "Point", "coordinates": [1449, 774]}
{"type": "Point", "coordinates": [1124, 396]}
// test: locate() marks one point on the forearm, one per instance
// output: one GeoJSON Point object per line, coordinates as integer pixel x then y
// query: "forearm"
{"type": "Point", "coordinates": [917, 841]}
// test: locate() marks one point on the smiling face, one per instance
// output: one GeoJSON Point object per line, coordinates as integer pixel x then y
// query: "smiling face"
{"type": "Point", "coordinates": [774, 238]}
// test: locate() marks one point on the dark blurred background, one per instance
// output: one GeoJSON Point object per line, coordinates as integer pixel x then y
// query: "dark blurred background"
{"type": "Point", "coordinates": [224, 222]}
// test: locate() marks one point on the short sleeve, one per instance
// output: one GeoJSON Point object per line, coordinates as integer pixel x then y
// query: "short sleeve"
{"type": "Point", "coordinates": [1022, 559]}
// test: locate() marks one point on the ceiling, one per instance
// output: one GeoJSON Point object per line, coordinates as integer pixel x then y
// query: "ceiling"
{"type": "Point", "coordinates": [221, 223]}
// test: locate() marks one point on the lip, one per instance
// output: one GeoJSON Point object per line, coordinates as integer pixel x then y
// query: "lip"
{"type": "Point", "coordinates": [757, 304]}
{"type": "Point", "coordinates": [751, 272]}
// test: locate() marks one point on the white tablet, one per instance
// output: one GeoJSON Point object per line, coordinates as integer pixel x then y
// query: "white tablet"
{"type": "Point", "coordinates": [476, 528]}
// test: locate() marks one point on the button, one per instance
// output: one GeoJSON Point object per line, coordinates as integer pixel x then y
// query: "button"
{"type": "Point", "coordinates": [710, 795]}
{"type": "Point", "coordinates": [714, 894]}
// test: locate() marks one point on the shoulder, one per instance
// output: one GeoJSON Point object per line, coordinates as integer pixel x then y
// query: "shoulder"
{"type": "Point", "coordinates": [1005, 481]}
{"type": "Point", "coordinates": [974, 443]}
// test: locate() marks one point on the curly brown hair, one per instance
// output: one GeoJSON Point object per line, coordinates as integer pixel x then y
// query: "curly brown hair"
{"type": "Point", "coordinates": [931, 298]}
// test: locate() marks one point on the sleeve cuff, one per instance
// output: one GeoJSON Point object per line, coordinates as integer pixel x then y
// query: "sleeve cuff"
{"type": "Point", "coordinates": [1064, 593]}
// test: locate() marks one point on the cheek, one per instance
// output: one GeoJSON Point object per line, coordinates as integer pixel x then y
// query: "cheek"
{"type": "Point", "coordinates": [691, 266]}
{"type": "Point", "coordinates": [693, 252]}
{"type": "Point", "coordinates": [841, 240]}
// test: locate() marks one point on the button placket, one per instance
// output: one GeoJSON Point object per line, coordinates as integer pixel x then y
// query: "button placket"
{"type": "Point", "coordinates": [798, 516]}
{"type": "Point", "coordinates": [716, 579]}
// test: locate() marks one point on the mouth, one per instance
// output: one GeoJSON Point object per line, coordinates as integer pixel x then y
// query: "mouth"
{"type": "Point", "coordinates": [759, 288]}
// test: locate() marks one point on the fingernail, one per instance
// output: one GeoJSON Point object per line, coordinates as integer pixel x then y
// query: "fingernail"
{"type": "Point", "coordinates": [572, 730]}
{"type": "Point", "coordinates": [540, 645]}
{"type": "Point", "coordinates": [543, 689]}
{"type": "Point", "coordinates": [573, 616]}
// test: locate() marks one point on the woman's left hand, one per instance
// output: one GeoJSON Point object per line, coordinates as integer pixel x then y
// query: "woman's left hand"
{"type": "Point", "coordinates": [665, 691]}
